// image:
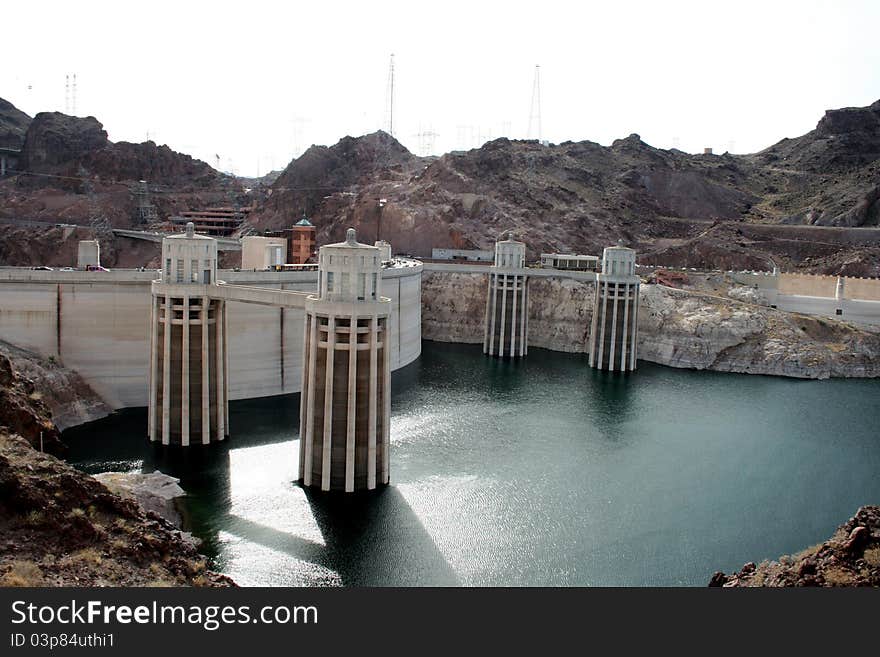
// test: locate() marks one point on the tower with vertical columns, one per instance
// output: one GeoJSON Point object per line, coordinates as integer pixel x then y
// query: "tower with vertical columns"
{"type": "Point", "coordinates": [506, 325]}
{"type": "Point", "coordinates": [614, 332]}
{"type": "Point", "coordinates": [188, 397]}
{"type": "Point", "coordinates": [345, 403]}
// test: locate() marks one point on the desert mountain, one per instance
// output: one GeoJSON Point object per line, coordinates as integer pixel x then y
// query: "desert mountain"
{"type": "Point", "coordinates": [581, 196]}
{"type": "Point", "coordinates": [59, 144]}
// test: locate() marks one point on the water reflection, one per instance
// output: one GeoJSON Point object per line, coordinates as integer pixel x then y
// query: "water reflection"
{"type": "Point", "coordinates": [540, 472]}
{"type": "Point", "coordinates": [203, 471]}
{"type": "Point", "coordinates": [611, 397]}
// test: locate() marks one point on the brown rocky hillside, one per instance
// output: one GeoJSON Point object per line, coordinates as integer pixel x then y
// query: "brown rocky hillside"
{"type": "Point", "coordinates": [59, 526]}
{"type": "Point", "coordinates": [675, 208]}
{"type": "Point", "coordinates": [13, 125]}
{"type": "Point", "coordinates": [851, 557]}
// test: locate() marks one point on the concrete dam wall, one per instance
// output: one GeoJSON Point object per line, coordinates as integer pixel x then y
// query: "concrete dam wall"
{"type": "Point", "coordinates": [98, 323]}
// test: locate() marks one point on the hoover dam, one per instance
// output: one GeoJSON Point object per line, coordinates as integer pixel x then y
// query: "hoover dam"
{"type": "Point", "coordinates": [98, 323]}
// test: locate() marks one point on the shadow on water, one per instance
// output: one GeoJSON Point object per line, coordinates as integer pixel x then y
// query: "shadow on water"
{"type": "Point", "coordinates": [611, 397]}
{"type": "Point", "coordinates": [377, 539]}
{"type": "Point", "coordinates": [204, 473]}
{"type": "Point", "coordinates": [370, 539]}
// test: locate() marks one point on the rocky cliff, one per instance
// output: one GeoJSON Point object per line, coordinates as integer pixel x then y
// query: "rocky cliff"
{"type": "Point", "coordinates": [13, 125]}
{"type": "Point", "coordinates": [61, 527]}
{"type": "Point", "coordinates": [583, 196]}
{"type": "Point", "coordinates": [23, 411]}
{"type": "Point", "coordinates": [39, 398]}
{"type": "Point", "coordinates": [675, 208]}
{"type": "Point", "coordinates": [851, 557]}
{"type": "Point", "coordinates": [454, 306]}
{"type": "Point", "coordinates": [687, 329]}
{"type": "Point", "coordinates": [59, 144]}
{"type": "Point", "coordinates": [70, 172]}
{"type": "Point", "coordinates": [67, 398]}
{"type": "Point", "coordinates": [560, 314]}
{"type": "Point", "coordinates": [54, 139]}
{"type": "Point", "coordinates": [677, 328]}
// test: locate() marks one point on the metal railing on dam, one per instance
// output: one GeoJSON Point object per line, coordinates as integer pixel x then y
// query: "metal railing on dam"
{"type": "Point", "coordinates": [536, 272]}
{"type": "Point", "coordinates": [98, 323]}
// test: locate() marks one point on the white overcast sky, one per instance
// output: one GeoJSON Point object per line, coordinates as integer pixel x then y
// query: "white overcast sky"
{"type": "Point", "coordinates": [257, 82]}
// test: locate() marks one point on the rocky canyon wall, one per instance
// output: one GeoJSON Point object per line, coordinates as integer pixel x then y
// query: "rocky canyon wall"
{"type": "Point", "coordinates": [677, 328]}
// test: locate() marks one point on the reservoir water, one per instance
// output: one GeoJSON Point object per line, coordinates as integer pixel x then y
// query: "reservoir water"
{"type": "Point", "coordinates": [540, 472]}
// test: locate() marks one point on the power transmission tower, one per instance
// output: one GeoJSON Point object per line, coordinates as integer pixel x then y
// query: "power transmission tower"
{"type": "Point", "coordinates": [389, 109]}
{"type": "Point", "coordinates": [426, 141]}
{"type": "Point", "coordinates": [146, 211]}
{"type": "Point", "coordinates": [299, 143]}
{"type": "Point", "coordinates": [67, 94]}
{"type": "Point", "coordinates": [73, 97]}
{"type": "Point", "coordinates": [535, 111]}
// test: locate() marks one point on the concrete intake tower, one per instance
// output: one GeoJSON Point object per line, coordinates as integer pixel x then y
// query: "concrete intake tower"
{"type": "Point", "coordinates": [345, 403]}
{"type": "Point", "coordinates": [188, 365]}
{"type": "Point", "coordinates": [614, 332]}
{"type": "Point", "coordinates": [506, 324]}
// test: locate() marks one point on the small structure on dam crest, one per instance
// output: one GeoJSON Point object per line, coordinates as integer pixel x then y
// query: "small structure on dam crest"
{"type": "Point", "coordinates": [346, 391]}
{"type": "Point", "coordinates": [614, 332]}
{"type": "Point", "coordinates": [506, 329]}
{"type": "Point", "coordinates": [188, 365]}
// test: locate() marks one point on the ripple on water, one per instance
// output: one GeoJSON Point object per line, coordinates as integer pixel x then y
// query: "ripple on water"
{"type": "Point", "coordinates": [540, 472]}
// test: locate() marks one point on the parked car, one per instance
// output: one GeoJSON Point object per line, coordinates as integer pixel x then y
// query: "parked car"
{"type": "Point", "coordinates": [42, 268]}
{"type": "Point", "coordinates": [96, 268]}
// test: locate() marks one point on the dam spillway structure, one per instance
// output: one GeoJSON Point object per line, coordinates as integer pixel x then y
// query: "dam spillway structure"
{"type": "Point", "coordinates": [614, 331]}
{"type": "Point", "coordinates": [506, 324]}
{"type": "Point", "coordinates": [345, 404]}
{"type": "Point", "coordinates": [188, 378]}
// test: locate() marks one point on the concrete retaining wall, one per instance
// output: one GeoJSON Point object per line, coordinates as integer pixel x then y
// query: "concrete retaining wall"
{"type": "Point", "coordinates": [815, 285]}
{"type": "Point", "coordinates": [98, 323]}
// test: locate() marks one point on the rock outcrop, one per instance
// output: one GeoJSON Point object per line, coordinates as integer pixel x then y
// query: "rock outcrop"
{"type": "Point", "coordinates": [61, 527]}
{"type": "Point", "coordinates": [13, 125]}
{"type": "Point", "coordinates": [78, 147]}
{"type": "Point", "coordinates": [687, 329]}
{"type": "Point", "coordinates": [560, 314]}
{"type": "Point", "coordinates": [568, 197]}
{"type": "Point", "coordinates": [678, 328]}
{"type": "Point", "coordinates": [454, 309]}
{"type": "Point", "coordinates": [583, 196]}
{"type": "Point", "coordinates": [54, 139]}
{"type": "Point", "coordinates": [68, 171]}
{"type": "Point", "coordinates": [331, 173]}
{"type": "Point", "coordinates": [67, 398]}
{"type": "Point", "coordinates": [454, 306]}
{"type": "Point", "coordinates": [849, 558]}
{"type": "Point", "coordinates": [23, 411]}
{"type": "Point", "coordinates": [155, 491]}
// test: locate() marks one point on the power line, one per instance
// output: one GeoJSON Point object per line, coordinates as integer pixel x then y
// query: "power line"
{"type": "Point", "coordinates": [535, 110]}
{"type": "Point", "coordinates": [164, 191]}
{"type": "Point", "coordinates": [390, 97]}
